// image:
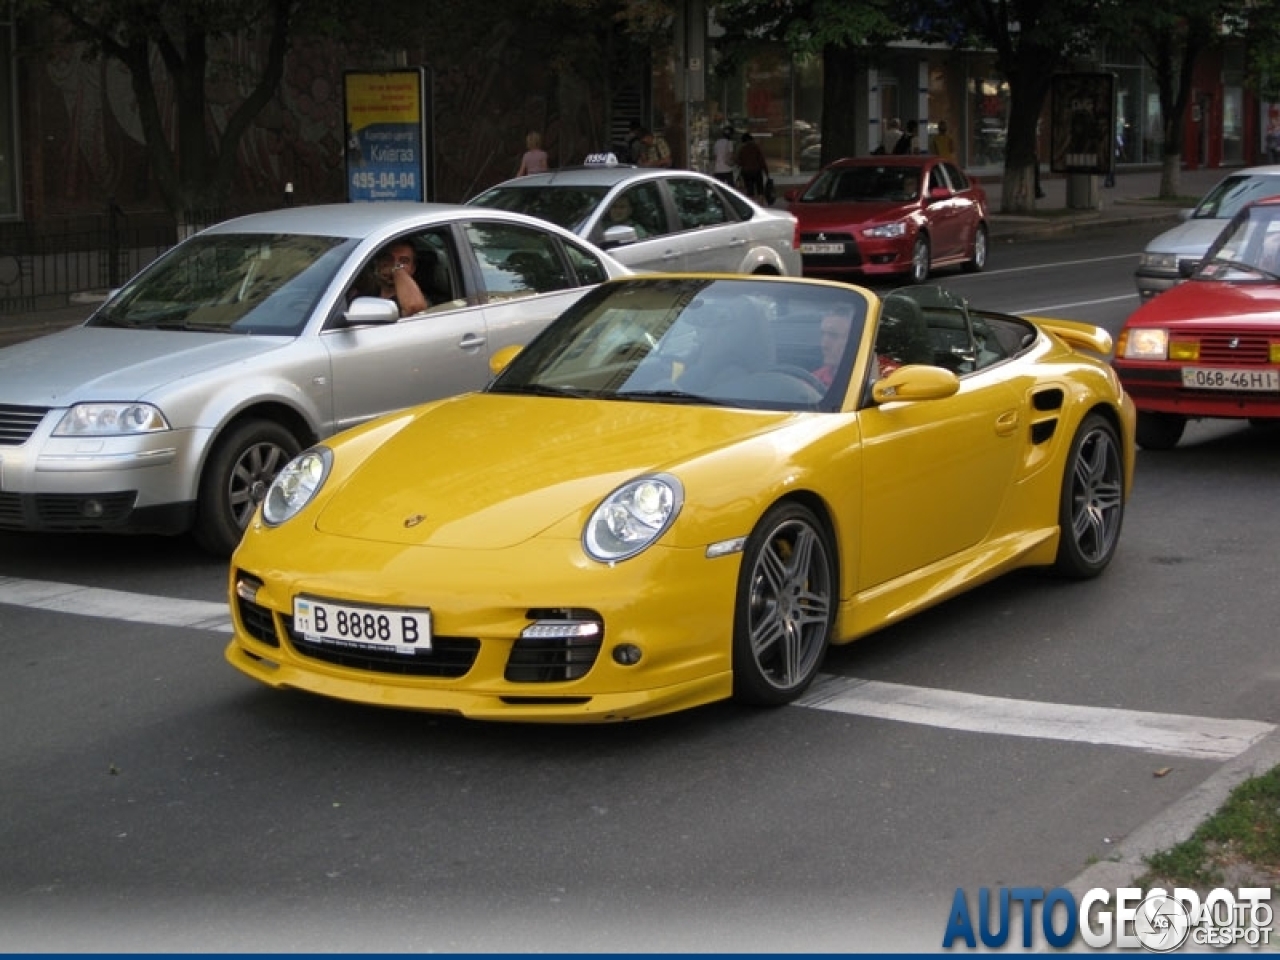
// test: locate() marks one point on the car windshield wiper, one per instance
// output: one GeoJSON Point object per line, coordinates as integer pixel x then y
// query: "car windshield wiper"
{"type": "Point", "coordinates": [542, 390]}
{"type": "Point", "coordinates": [1246, 267]}
{"type": "Point", "coordinates": [668, 396]}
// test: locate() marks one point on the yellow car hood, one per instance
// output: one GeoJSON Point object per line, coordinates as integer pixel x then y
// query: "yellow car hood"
{"type": "Point", "coordinates": [486, 471]}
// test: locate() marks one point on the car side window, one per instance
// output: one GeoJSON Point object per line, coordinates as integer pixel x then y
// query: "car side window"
{"type": "Point", "coordinates": [587, 267]}
{"type": "Point", "coordinates": [516, 261]}
{"type": "Point", "coordinates": [427, 258]}
{"type": "Point", "coordinates": [698, 204]}
{"type": "Point", "coordinates": [639, 207]}
{"type": "Point", "coordinates": [957, 177]}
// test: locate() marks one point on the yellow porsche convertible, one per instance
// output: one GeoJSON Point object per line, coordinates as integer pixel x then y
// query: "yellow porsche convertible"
{"type": "Point", "coordinates": [682, 491]}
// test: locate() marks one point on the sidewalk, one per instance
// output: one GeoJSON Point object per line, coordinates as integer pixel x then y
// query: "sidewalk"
{"type": "Point", "coordinates": [1130, 201]}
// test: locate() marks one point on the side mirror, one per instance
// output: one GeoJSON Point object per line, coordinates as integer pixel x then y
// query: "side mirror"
{"type": "Point", "coordinates": [915, 382]}
{"type": "Point", "coordinates": [365, 311]}
{"type": "Point", "coordinates": [791, 196]}
{"type": "Point", "coordinates": [620, 236]}
{"type": "Point", "coordinates": [1187, 268]}
{"type": "Point", "coordinates": [501, 359]}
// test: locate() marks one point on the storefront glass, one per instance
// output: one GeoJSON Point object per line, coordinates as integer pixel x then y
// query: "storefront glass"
{"type": "Point", "coordinates": [988, 116]}
{"type": "Point", "coordinates": [779, 102]}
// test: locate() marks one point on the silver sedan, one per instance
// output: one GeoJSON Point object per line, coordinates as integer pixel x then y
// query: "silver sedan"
{"type": "Point", "coordinates": [670, 221]}
{"type": "Point", "coordinates": [173, 407]}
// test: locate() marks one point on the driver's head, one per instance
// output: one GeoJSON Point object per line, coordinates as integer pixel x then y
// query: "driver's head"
{"type": "Point", "coordinates": [834, 329]}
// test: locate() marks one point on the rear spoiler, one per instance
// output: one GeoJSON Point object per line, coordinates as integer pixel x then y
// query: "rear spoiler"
{"type": "Point", "coordinates": [1077, 335]}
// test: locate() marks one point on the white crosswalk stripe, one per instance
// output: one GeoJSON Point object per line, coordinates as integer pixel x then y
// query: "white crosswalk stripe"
{"type": "Point", "coordinates": [1206, 738]}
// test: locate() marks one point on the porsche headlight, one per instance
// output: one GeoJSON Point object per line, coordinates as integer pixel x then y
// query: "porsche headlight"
{"type": "Point", "coordinates": [296, 484]}
{"type": "Point", "coordinates": [1146, 343]}
{"type": "Point", "coordinates": [898, 229]}
{"type": "Point", "coordinates": [632, 517]}
{"type": "Point", "coordinates": [110, 420]}
{"type": "Point", "coordinates": [1159, 261]}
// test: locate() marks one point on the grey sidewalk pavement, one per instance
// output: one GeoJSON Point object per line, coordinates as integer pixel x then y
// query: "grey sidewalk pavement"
{"type": "Point", "coordinates": [1130, 201]}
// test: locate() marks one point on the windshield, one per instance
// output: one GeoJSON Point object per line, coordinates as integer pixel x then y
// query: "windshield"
{"type": "Point", "coordinates": [565, 206]}
{"type": "Point", "coordinates": [1247, 250]}
{"type": "Point", "coordinates": [754, 343]}
{"type": "Point", "coordinates": [1228, 197]}
{"type": "Point", "coordinates": [230, 283]}
{"type": "Point", "coordinates": [880, 184]}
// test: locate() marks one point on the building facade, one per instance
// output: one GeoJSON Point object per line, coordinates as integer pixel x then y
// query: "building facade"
{"type": "Point", "coordinates": [71, 143]}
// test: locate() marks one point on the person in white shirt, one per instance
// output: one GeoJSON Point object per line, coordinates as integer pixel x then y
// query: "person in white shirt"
{"type": "Point", "coordinates": [722, 152]}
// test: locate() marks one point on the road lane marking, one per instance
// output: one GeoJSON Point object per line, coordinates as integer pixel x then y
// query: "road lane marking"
{"type": "Point", "coordinates": [115, 604]}
{"type": "Point", "coordinates": [1204, 738]}
{"type": "Point", "coordinates": [1053, 265]}
{"type": "Point", "coordinates": [1034, 311]}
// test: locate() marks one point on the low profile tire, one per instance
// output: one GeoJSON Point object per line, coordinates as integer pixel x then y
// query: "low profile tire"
{"type": "Point", "coordinates": [977, 261]}
{"type": "Point", "coordinates": [1159, 431]}
{"type": "Point", "coordinates": [1091, 504]}
{"type": "Point", "coordinates": [921, 260]}
{"type": "Point", "coordinates": [785, 607]}
{"type": "Point", "coordinates": [236, 476]}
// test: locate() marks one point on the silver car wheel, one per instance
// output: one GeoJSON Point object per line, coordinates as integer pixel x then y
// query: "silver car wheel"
{"type": "Point", "coordinates": [785, 607]}
{"type": "Point", "coordinates": [920, 260]}
{"type": "Point", "coordinates": [235, 480]}
{"type": "Point", "coordinates": [1092, 499]}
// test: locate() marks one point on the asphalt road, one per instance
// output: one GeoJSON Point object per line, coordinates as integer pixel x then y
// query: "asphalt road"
{"type": "Point", "coordinates": [155, 799]}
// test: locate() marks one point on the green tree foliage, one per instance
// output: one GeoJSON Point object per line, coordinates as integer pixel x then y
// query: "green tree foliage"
{"type": "Point", "coordinates": [1171, 36]}
{"type": "Point", "coordinates": [182, 45]}
{"type": "Point", "coordinates": [1032, 40]}
{"type": "Point", "coordinates": [842, 31]}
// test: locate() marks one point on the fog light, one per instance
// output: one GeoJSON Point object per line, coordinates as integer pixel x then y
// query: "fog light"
{"type": "Point", "coordinates": [92, 509]}
{"type": "Point", "coordinates": [247, 590]}
{"type": "Point", "coordinates": [626, 654]}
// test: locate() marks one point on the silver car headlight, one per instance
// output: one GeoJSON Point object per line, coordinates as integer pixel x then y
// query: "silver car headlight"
{"type": "Point", "coordinates": [110, 420]}
{"type": "Point", "coordinates": [632, 517]}
{"type": "Point", "coordinates": [898, 229]}
{"type": "Point", "coordinates": [295, 485]}
{"type": "Point", "coordinates": [1147, 343]}
{"type": "Point", "coordinates": [1159, 261]}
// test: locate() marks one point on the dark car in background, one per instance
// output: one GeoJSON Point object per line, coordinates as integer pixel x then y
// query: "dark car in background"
{"type": "Point", "coordinates": [863, 217]}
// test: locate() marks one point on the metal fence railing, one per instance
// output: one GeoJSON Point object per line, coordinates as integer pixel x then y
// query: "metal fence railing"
{"type": "Point", "coordinates": [42, 265]}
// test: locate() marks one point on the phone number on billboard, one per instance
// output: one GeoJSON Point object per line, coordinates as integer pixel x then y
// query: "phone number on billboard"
{"type": "Point", "coordinates": [385, 180]}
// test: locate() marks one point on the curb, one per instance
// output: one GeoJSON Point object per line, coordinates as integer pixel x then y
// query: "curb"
{"type": "Point", "coordinates": [1179, 820]}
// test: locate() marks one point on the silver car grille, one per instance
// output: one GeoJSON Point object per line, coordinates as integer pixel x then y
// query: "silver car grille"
{"type": "Point", "coordinates": [17, 424]}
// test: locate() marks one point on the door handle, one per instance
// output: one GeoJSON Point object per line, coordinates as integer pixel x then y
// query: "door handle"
{"type": "Point", "coordinates": [1006, 423]}
{"type": "Point", "coordinates": [471, 341]}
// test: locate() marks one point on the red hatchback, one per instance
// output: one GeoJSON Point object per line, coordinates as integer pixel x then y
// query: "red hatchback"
{"type": "Point", "coordinates": [1210, 347]}
{"type": "Point", "coordinates": [887, 215]}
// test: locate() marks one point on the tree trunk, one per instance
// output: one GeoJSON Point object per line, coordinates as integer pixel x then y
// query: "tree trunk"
{"type": "Point", "coordinates": [1170, 175]}
{"type": "Point", "coordinates": [839, 122]}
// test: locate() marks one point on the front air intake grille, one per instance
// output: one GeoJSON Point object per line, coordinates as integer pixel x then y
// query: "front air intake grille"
{"type": "Point", "coordinates": [551, 659]}
{"type": "Point", "coordinates": [257, 621]}
{"type": "Point", "coordinates": [1231, 349]}
{"type": "Point", "coordinates": [17, 424]}
{"type": "Point", "coordinates": [65, 511]}
{"type": "Point", "coordinates": [449, 657]}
